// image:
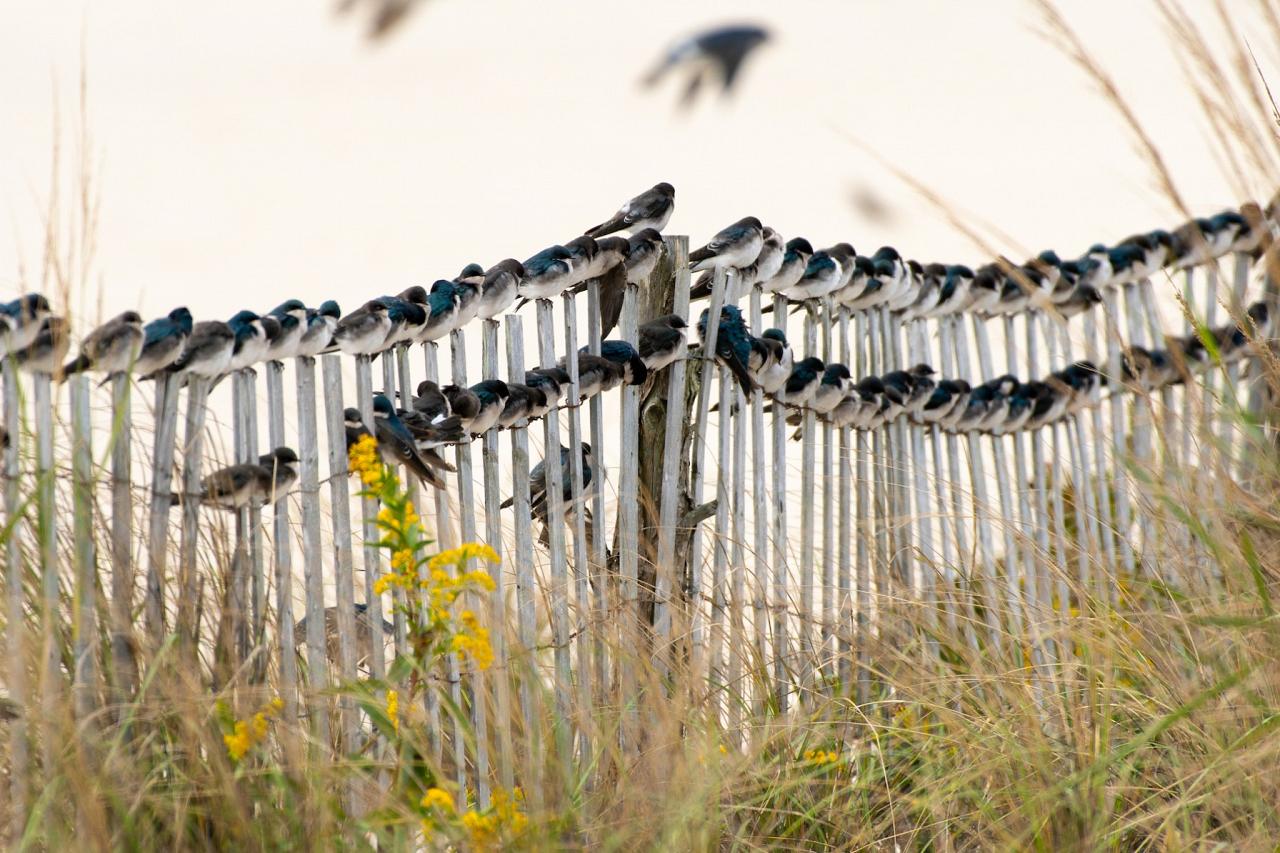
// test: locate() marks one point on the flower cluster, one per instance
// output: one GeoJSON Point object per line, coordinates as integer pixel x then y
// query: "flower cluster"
{"type": "Point", "coordinates": [363, 459]}
{"type": "Point", "coordinates": [500, 823]}
{"type": "Point", "coordinates": [473, 641]}
{"type": "Point", "coordinates": [820, 757]}
{"type": "Point", "coordinates": [249, 733]}
{"type": "Point", "coordinates": [393, 709]}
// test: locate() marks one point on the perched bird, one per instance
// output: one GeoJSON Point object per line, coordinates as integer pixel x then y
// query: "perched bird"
{"type": "Point", "coordinates": [251, 340]}
{"type": "Point", "coordinates": [764, 267]}
{"type": "Point", "coordinates": [462, 402]}
{"type": "Point", "coordinates": [776, 362]}
{"type": "Point", "coordinates": [364, 632]}
{"type": "Point", "coordinates": [49, 350]}
{"type": "Point", "coordinates": [407, 313]}
{"type": "Point", "coordinates": [207, 353]}
{"type": "Point", "coordinates": [353, 423]}
{"type": "Point", "coordinates": [596, 374]}
{"type": "Point", "coordinates": [467, 292]}
{"type": "Point", "coordinates": [282, 464]}
{"type": "Point", "coordinates": [795, 258]}
{"type": "Point", "coordinates": [163, 340]}
{"type": "Point", "coordinates": [803, 382]}
{"type": "Point", "coordinates": [442, 307]}
{"type": "Point", "coordinates": [237, 486]}
{"type": "Point", "coordinates": [651, 209]}
{"type": "Point", "coordinates": [111, 348]}
{"type": "Point", "coordinates": [364, 330]}
{"type": "Point", "coordinates": [538, 488]}
{"type": "Point", "coordinates": [548, 273]}
{"type": "Point", "coordinates": [733, 247]}
{"type": "Point", "coordinates": [583, 255]}
{"type": "Point", "coordinates": [396, 444]}
{"type": "Point", "coordinates": [321, 323]}
{"type": "Point", "coordinates": [954, 294]}
{"type": "Point", "coordinates": [1082, 298]}
{"type": "Point", "coordinates": [949, 420]}
{"type": "Point", "coordinates": [662, 341]}
{"type": "Point", "coordinates": [471, 274]}
{"type": "Point", "coordinates": [717, 52]}
{"type": "Point", "coordinates": [552, 381]}
{"type": "Point", "coordinates": [522, 402]}
{"type": "Point", "coordinates": [733, 344]}
{"type": "Point", "coordinates": [429, 434]}
{"type": "Point", "coordinates": [644, 248]}
{"type": "Point", "coordinates": [835, 383]}
{"type": "Point", "coordinates": [498, 291]}
{"type": "Point", "coordinates": [293, 316]}
{"type": "Point", "coordinates": [492, 395]}
{"type": "Point", "coordinates": [821, 276]}
{"type": "Point", "coordinates": [943, 399]}
{"type": "Point", "coordinates": [634, 369]}
{"type": "Point", "coordinates": [612, 282]}
{"type": "Point", "coordinates": [21, 321]}
{"type": "Point", "coordinates": [929, 293]}
{"type": "Point", "coordinates": [430, 401]}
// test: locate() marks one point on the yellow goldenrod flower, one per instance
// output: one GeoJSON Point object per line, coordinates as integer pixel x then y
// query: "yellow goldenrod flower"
{"type": "Point", "coordinates": [393, 709]}
{"type": "Point", "coordinates": [439, 799]}
{"type": "Point", "coordinates": [363, 459]}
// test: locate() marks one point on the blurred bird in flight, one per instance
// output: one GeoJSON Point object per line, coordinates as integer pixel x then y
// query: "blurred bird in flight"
{"type": "Point", "coordinates": [717, 52]}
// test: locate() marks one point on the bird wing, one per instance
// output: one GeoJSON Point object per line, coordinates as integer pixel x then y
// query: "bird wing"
{"type": "Point", "coordinates": [613, 285]}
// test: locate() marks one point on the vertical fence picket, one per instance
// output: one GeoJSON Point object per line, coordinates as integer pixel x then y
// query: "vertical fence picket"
{"type": "Point", "coordinates": [493, 535]}
{"type": "Point", "coordinates": [844, 610]}
{"type": "Point", "coordinates": [343, 568]}
{"type": "Point", "coordinates": [781, 639]}
{"type": "Point", "coordinates": [474, 690]}
{"type": "Point", "coordinates": [47, 539]}
{"type": "Point", "coordinates": [526, 616]}
{"type": "Point", "coordinates": [760, 531]}
{"type": "Point", "coordinates": [370, 534]}
{"type": "Point", "coordinates": [120, 604]}
{"type": "Point", "coordinates": [599, 545]}
{"type": "Point", "coordinates": [553, 461]}
{"type": "Point", "coordinates": [827, 598]}
{"type": "Point", "coordinates": [166, 434]}
{"type": "Point", "coordinates": [581, 559]}
{"type": "Point", "coordinates": [628, 533]}
{"type": "Point", "coordinates": [697, 589]}
{"type": "Point", "coordinates": [15, 634]}
{"type": "Point", "coordinates": [666, 575]}
{"type": "Point", "coordinates": [85, 671]}
{"type": "Point", "coordinates": [193, 461]}
{"type": "Point", "coordinates": [282, 549]}
{"type": "Point", "coordinates": [312, 551]}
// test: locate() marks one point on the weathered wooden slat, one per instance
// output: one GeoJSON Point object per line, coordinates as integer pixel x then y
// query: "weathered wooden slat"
{"type": "Point", "coordinates": [312, 551]}
{"type": "Point", "coordinates": [47, 541]}
{"type": "Point", "coordinates": [344, 581]}
{"type": "Point", "coordinates": [166, 433]}
{"type": "Point", "coordinates": [85, 633]}
{"type": "Point", "coordinates": [370, 535]}
{"type": "Point", "coordinates": [493, 535]}
{"type": "Point", "coordinates": [193, 462]}
{"type": "Point", "coordinates": [282, 550]}
{"type": "Point", "coordinates": [15, 633]}
{"type": "Point", "coordinates": [781, 584]}
{"type": "Point", "coordinates": [120, 604]}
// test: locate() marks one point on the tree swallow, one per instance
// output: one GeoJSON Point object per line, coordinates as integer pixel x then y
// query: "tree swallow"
{"type": "Point", "coordinates": [364, 331]}
{"type": "Point", "coordinates": [522, 402]}
{"type": "Point", "coordinates": [717, 52]}
{"type": "Point", "coordinates": [651, 209]}
{"type": "Point", "coordinates": [733, 344]}
{"type": "Point", "coordinates": [552, 381]}
{"type": "Point", "coordinates": [777, 361]}
{"type": "Point", "coordinates": [803, 382]}
{"type": "Point", "coordinates": [251, 340]}
{"type": "Point", "coordinates": [492, 395]}
{"type": "Point", "coordinates": [662, 341]}
{"type": "Point", "coordinates": [498, 291]}
{"type": "Point", "coordinates": [538, 486]}
{"type": "Point", "coordinates": [623, 354]}
{"type": "Point", "coordinates": [22, 319]}
{"type": "Point", "coordinates": [548, 274]}
{"type": "Point", "coordinates": [396, 444]}
{"type": "Point", "coordinates": [822, 275]}
{"type": "Point", "coordinates": [795, 259]}
{"type": "Point", "coordinates": [111, 348]}
{"type": "Point", "coordinates": [442, 310]}
{"type": "Point", "coordinates": [321, 323]}
{"type": "Point", "coordinates": [163, 340]}
{"type": "Point", "coordinates": [734, 247]}
{"type": "Point", "coordinates": [48, 351]}
{"type": "Point", "coordinates": [596, 375]}
{"type": "Point", "coordinates": [208, 350]}
{"type": "Point", "coordinates": [237, 486]}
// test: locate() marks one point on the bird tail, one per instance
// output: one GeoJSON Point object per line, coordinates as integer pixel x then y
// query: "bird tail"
{"type": "Point", "coordinates": [604, 228]}
{"type": "Point", "coordinates": [741, 373]}
{"type": "Point", "coordinates": [697, 256]}
{"type": "Point", "coordinates": [435, 460]}
{"type": "Point", "coordinates": [701, 288]}
{"type": "Point", "coordinates": [78, 364]}
{"type": "Point", "coordinates": [508, 502]}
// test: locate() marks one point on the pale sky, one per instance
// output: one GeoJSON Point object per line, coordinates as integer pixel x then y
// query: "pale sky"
{"type": "Point", "coordinates": [248, 151]}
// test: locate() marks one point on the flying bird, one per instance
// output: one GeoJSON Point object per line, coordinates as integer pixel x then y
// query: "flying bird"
{"type": "Point", "coordinates": [715, 53]}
